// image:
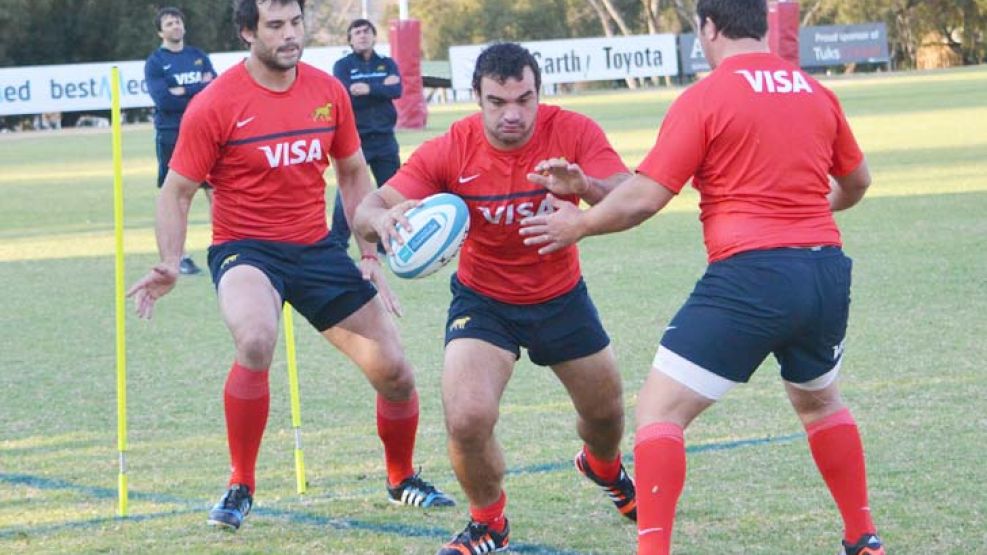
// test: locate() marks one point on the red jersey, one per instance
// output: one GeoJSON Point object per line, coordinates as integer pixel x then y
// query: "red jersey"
{"type": "Point", "coordinates": [264, 153]}
{"type": "Point", "coordinates": [494, 184]}
{"type": "Point", "coordinates": [759, 138]}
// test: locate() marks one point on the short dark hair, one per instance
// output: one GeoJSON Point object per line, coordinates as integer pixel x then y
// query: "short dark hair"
{"type": "Point", "coordinates": [357, 23]}
{"type": "Point", "coordinates": [246, 15]}
{"type": "Point", "coordinates": [736, 19]}
{"type": "Point", "coordinates": [502, 60]}
{"type": "Point", "coordinates": [165, 12]}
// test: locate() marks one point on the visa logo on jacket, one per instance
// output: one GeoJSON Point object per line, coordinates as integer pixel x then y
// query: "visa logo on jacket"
{"type": "Point", "coordinates": [188, 78]}
{"type": "Point", "coordinates": [780, 81]}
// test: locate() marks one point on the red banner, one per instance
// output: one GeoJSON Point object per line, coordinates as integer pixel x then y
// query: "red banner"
{"type": "Point", "coordinates": [406, 49]}
{"type": "Point", "coordinates": [783, 29]}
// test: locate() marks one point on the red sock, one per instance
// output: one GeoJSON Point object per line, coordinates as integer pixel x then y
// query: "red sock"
{"type": "Point", "coordinates": [659, 472]}
{"type": "Point", "coordinates": [492, 515]}
{"type": "Point", "coordinates": [247, 399]}
{"type": "Point", "coordinates": [608, 471]}
{"type": "Point", "coordinates": [397, 425]}
{"type": "Point", "coordinates": [839, 455]}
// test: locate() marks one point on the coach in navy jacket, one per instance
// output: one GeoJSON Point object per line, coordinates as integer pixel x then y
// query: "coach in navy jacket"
{"type": "Point", "coordinates": [373, 82]}
{"type": "Point", "coordinates": [174, 73]}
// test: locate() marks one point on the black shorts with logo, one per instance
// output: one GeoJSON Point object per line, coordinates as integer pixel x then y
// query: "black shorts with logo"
{"type": "Point", "coordinates": [320, 280]}
{"type": "Point", "coordinates": [790, 302]}
{"type": "Point", "coordinates": [558, 330]}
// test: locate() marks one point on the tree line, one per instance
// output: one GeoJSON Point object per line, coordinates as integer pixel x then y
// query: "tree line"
{"type": "Point", "coordinates": [36, 32]}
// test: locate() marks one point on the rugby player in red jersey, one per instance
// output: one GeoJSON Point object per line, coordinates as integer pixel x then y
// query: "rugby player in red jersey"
{"type": "Point", "coordinates": [760, 139]}
{"type": "Point", "coordinates": [263, 134]}
{"type": "Point", "coordinates": [505, 295]}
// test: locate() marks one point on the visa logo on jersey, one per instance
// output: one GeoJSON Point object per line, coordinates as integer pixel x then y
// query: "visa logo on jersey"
{"type": "Point", "coordinates": [188, 78]}
{"type": "Point", "coordinates": [291, 153]}
{"type": "Point", "coordinates": [780, 81]}
{"type": "Point", "coordinates": [508, 214]}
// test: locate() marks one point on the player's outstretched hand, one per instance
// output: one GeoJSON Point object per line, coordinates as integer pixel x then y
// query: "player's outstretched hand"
{"type": "Point", "coordinates": [561, 228]}
{"type": "Point", "coordinates": [560, 177]}
{"type": "Point", "coordinates": [386, 226]}
{"type": "Point", "coordinates": [373, 271]}
{"type": "Point", "coordinates": [154, 285]}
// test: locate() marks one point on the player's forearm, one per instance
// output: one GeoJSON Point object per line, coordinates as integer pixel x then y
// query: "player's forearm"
{"type": "Point", "coordinates": [354, 187]}
{"type": "Point", "coordinates": [171, 224]}
{"type": "Point", "coordinates": [599, 188]}
{"type": "Point", "coordinates": [628, 205]}
{"type": "Point", "coordinates": [846, 191]}
{"type": "Point", "coordinates": [370, 210]}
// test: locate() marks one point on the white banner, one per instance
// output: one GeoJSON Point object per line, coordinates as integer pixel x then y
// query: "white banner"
{"type": "Point", "coordinates": [575, 60]}
{"type": "Point", "coordinates": [77, 87]}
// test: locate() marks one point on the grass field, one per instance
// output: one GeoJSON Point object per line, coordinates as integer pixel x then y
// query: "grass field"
{"type": "Point", "coordinates": [913, 374]}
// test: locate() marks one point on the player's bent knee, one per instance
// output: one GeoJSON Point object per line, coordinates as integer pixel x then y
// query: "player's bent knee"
{"type": "Point", "coordinates": [256, 347]}
{"type": "Point", "coordinates": [395, 381]}
{"type": "Point", "coordinates": [470, 426]}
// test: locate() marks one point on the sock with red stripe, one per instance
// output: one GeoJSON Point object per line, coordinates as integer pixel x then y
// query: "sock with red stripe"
{"type": "Point", "coordinates": [839, 454]}
{"type": "Point", "coordinates": [397, 426]}
{"type": "Point", "coordinates": [492, 515]}
{"type": "Point", "coordinates": [247, 400]}
{"type": "Point", "coordinates": [659, 472]}
{"type": "Point", "coordinates": [608, 471]}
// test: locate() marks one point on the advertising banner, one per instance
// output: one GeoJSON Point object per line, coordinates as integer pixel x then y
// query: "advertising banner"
{"type": "Point", "coordinates": [575, 60]}
{"type": "Point", "coordinates": [834, 45]}
{"type": "Point", "coordinates": [79, 87]}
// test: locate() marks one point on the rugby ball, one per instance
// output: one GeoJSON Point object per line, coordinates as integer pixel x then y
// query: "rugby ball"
{"type": "Point", "coordinates": [438, 228]}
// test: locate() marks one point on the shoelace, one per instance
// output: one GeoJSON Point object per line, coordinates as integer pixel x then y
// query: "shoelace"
{"type": "Point", "coordinates": [233, 499]}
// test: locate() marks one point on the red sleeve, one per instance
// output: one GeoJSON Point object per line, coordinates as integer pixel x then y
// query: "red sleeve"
{"type": "Point", "coordinates": [846, 152]}
{"type": "Point", "coordinates": [199, 141]}
{"type": "Point", "coordinates": [427, 171]}
{"type": "Point", "coordinates": [346, 140]}
{"type": "Point", "coordinates": [594, 153]}
{"type": "Point", "coordinates": [681, 144]}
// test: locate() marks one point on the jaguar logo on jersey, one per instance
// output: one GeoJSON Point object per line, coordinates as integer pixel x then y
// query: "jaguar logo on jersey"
{"type": "Point", "coordinates": [290, 153]}
{"type": "Point", "coordinates": [323, 113]}
{"type": "Point", "coordinates": [510, 214]}
{"type": "Point", "coordinates": [459, 323]}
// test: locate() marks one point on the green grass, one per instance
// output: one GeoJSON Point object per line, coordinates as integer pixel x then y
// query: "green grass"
{"type": "Point", "coordinates": [913, 374]}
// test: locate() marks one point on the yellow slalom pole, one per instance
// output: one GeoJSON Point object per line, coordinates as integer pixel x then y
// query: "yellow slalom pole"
{"type": "Point", "coordinates": [296, 405]}
{"type": "Point", "coordinates": [121, 336]}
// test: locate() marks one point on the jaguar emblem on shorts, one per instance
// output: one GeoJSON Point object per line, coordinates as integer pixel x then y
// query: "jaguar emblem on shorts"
{"type": "Point", "coordinates": [229, 260]}
{"type": "Point", "coordinates": [323, 113]}
{"type": "Point", "coordinates": [459, 323]}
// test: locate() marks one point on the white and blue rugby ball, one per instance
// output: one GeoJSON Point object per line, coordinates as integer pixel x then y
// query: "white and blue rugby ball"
{"type": "Point", "coordinates": [438, 228]}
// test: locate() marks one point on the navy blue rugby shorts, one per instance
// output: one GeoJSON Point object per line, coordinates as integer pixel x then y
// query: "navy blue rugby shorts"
{"type": "Point", "coordinates": [790, 302]}
{"type": "Point", "coordinates": [558, 330]}
{"type": "Point", "coordinates": [320, 280]}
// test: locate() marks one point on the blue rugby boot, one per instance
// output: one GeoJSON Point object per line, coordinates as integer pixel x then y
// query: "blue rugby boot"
{"type": "Point", "coordinates": [232, 508]}
{"type": "Point", "coordinates": [868, 544]}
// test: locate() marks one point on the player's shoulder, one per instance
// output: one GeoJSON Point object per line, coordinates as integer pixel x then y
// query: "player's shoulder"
{"type": "Point", "coordinates": [315, 76]}
{"type": "Point", "coordinates": [223, 91]}
{"type": "Point", "coordinates": [465, 130]}
{"type": "Point", "coordinates": [563, 118]}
